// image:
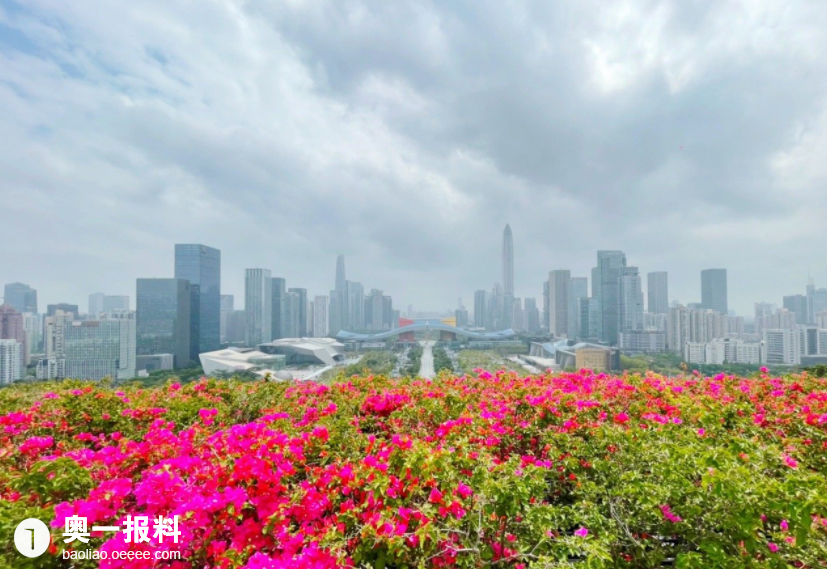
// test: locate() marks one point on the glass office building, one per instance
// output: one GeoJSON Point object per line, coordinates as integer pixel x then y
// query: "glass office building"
{"type": "Point", "coordinates": [201, 266]}
{"type": "Point", "coordinates": [163, 318]}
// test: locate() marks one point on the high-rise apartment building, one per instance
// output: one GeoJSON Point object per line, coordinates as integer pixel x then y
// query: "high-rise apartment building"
{"type": "Point", "coordinates": [258, 306]}
{"type": "Point", "coordinates": [657, 292]}
{"type": "Point", "coordinates": [11, 361]}
{"type": "Point", "coordinates": [606, 289]}
{"type": "Point", "coordinates": [630, 305]}
{"type": "Point", "coordinates": [320, 322]}
{"type": "Point", "coordinates": [201, 266]}
{"type": "Point", "coordinates": [164, 310]}
{"type": "Point", "coordinates": [508, 262]}
{"type": "Point", "coordinates": [106, 347]}
{"type": "Point", "coordinates": [21, 297]}
{"type": "Point", "coordinates": [12, 328]}
{"type": "Point", "coordinates": [302, 292]}
{"type": "Point", "coordinates": [714, 290]}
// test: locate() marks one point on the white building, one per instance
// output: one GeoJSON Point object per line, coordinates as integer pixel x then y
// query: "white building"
{"type": "Point", "coordinates": [11, 361]}
{"type": "Point", "coordinates": [694, 352]}
{"type": "Point", "coordinates": [647, 342]}
{"type": "Point", "coordinates": [320, 321]}
{"type": "Point", "coordinates": [326, 351]}
{"type": "Point", "coordinates": [241, 359]}
{"type": "Point", "coordinates": [782, 346]}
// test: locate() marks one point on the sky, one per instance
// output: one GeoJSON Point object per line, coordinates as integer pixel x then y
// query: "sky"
{"type": "Point", "coordinates": [406, 134]}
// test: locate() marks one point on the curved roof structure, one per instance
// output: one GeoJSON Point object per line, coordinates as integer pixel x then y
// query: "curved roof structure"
{"type": "Point", "coordinates": [426, 325]}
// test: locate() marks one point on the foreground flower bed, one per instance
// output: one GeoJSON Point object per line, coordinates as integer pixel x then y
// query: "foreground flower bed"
{"type": "Point", "coordinates": [568, 470]}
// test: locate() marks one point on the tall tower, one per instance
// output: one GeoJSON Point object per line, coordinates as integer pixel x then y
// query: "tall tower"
{"type": "Point", "coordinates": [340, 273]}
{"type": "Point", "coordinates": [508, 262]}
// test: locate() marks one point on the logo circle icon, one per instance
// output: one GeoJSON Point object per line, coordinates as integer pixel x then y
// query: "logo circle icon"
{"type": "Point", "coordinates": [32, 537]}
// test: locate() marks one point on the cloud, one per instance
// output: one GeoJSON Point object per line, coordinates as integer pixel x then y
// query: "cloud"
{"type": "Point", "coordinates": [405, 135]}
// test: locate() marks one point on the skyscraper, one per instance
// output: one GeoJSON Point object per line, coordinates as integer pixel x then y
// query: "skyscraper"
{"type": "Point", "coordinates": [320, 316]}
{"type": "Point", "coordinates": [578, 288]}
{"type": "Point", "coordinates": [480, 308]}
{"type": "Point", "coordinates": [340, 272]}
{"type": "Point", "coordinates": [355, 306]}
{"type": "Point", "coordinates": [258, 305]}
{"type": "Point", "coordinates": [163, 318]}
{"type": "Point", "coordinates": [658, 292]}
{"type": "Point", "coordinates": [508, 262]}
{"type": "Point", "coordinates": [714, 290]}
{"type": "Point", "coordinates": [227, 308]}
{"type": "Point", "coordinates": [302, 292]}
{"type": "Point", "coordinates": [12, 328]}
{"type": "Point", "coordinates": [797, 304]}
{"type": "Point", "coordinates": [291, 315]}
{"type": "Point", "coordinates": [201, 266]}
{"type": "Point", "coordinates": [606, 291]}
{"type": "Point", "coordinates": [558, 296]}
{"type": "Point", "coordinates": [630, 306]}
{"type": "Point", "coordinates": [532, 315]}
{"type": "Point", "coordinates": [338, 307]}
{"type": "Point", "coordinates": [21, 297]}
{"type": "Point", "coordinates": [278, 328]}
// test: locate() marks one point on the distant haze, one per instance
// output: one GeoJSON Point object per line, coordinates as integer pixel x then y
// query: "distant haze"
{"type": "Point", "coordinates": [405, 135]}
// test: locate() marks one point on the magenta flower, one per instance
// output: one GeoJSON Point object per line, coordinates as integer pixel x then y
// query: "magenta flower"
{"type": "Point", "coordinates": [784, 525]}
{"type": "Point", "coordinates": [772, 547]}
{"type": "Point", "coordinates": [582, 532]}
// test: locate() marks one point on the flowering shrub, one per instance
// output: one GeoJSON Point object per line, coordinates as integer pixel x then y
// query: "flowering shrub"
{"type": "Point", "coordinates": [490, 469]}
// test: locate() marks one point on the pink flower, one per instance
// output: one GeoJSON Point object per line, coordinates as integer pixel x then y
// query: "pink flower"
{"type": "Point", "coordinates": [463, 490]}
{"type": "Point", "coordinates": [436, 496]}
{"type": "Point", "coordinates": [582, 532]}
{"type": "Point", "coordinates": [701, 432]}
{"type": "Point", "coordinates": [784, 525]}
{"type": "Point", "coordinates": [621, 418]}
{"type": "Point", "coordinates": [789, 461]}
{"type": "Point", "coordinates": [772, 547]}
{"type": "Point", "coordinates": [667, 512]}
{"type": "Point", "coordinates": [764, 369]}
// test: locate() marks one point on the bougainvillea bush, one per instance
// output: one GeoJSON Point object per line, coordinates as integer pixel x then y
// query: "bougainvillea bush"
{"type": "Point", "coordinates": [486, 470]}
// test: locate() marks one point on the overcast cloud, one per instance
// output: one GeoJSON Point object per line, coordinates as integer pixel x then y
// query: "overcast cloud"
{"type": "Point", "coordinates": [690, 134]}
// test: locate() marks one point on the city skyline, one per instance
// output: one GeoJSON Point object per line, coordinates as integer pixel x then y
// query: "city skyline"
{"type": "Point", "coordinates": [506, 241]}
{"type": "Point", "coordinates": [119, 142]}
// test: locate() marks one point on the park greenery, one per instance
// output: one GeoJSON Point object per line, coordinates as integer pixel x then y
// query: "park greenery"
{"type": "Point", "coordinates": [441, 360]}
{"type": "Point", "coordinates": [375, 362]}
